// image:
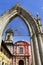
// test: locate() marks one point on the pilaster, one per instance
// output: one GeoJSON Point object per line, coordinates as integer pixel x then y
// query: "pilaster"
{"type": "Point", "coordinates": [36, 50]}
{"type": "Point", "coordinates": [26, 61]}
{"type": "Point", "coordinates": [32, 50]}
{"type": "Point", "coordinates": [40, 44]}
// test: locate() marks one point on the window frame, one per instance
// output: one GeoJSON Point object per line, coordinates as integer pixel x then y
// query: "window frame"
{"type": "Point", "coordinates": [21, 50]}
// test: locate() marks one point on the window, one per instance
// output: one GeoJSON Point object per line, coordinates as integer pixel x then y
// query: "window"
{"type": "Point", "coordinates": [21, 50]}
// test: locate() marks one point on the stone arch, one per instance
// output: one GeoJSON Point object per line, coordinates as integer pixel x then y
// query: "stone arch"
{"type": "Point", "coordinates": [32, 26]}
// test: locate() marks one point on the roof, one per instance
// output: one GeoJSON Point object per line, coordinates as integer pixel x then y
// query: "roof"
{"type": "Point", "coordinates": [24, 43]}
{"type": "Point", "coordinates": [5, 47]}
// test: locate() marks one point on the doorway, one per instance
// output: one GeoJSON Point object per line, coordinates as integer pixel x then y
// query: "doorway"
{"type": "Point", "coordinates": [21, 62]}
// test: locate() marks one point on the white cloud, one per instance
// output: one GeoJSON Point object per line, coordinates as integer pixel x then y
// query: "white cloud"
{"type": "Point", "coordinates": [42, 7]}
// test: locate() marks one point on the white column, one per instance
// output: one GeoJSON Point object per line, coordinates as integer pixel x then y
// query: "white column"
{"type": "Point", "coordinates": [32, 50]}
{"type": "Point", "coordinates": [40, 43]}
{"type": "Point", "coordinates": [36, 51]}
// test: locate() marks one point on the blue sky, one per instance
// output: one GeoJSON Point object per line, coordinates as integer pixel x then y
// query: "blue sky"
{"type": "Point", "coordinates": [32, 6]}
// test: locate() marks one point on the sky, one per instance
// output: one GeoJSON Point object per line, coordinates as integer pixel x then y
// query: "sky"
{"type": "Point", "coordinates": [32, 6]}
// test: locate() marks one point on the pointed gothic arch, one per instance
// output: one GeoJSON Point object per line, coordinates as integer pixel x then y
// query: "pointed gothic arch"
{"type": "Point", "coordinates": [35, 31]}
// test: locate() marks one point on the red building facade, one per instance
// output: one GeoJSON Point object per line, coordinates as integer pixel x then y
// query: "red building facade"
{"type": "Point", "coordinates": [20, 51]}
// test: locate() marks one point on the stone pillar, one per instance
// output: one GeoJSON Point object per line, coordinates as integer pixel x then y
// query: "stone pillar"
{"type": "Point", "coordinates": [32, 50]}
{"type": "Point", "coordinates": [36, 51]}
{"type": "Point", "coordinates": [17, 61]}
{"type": "Point", "coordinates": [40, 44]}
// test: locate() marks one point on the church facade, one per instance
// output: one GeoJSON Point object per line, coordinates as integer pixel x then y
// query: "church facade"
{"type": "Point", "coordinates": [21, 53]}
{"type": "Point", "coordinates": [20, 50]}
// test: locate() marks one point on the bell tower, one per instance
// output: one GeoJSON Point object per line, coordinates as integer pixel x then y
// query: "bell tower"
{"type": "Point", "coordinates": [9, 36]}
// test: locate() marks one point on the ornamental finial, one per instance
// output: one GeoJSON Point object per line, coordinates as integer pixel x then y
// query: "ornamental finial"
{"type": "Point", "coordinates": [38, 17]}
{"type": "Point", "coordinates": [18, 4]}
